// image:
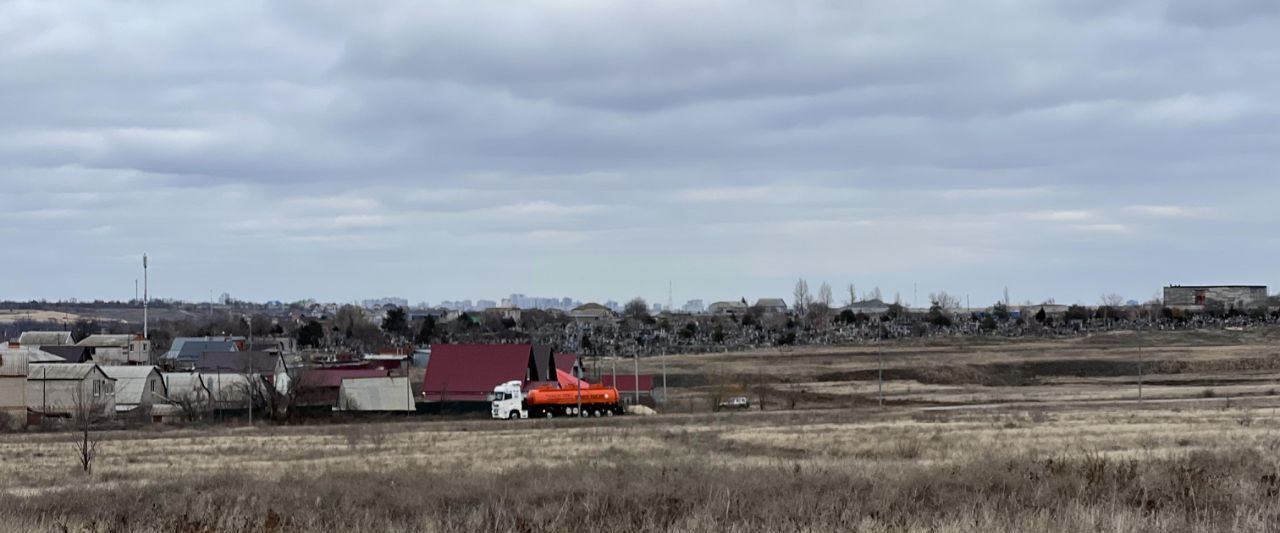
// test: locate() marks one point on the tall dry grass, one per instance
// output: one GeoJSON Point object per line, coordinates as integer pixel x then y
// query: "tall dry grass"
{"type": "Point", "coordinates": [819, 471]}
{"type": "Point", "coordinates": [1230, 490]}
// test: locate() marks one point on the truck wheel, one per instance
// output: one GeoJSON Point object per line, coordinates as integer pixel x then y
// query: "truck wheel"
{"type": "Point", "coordinates": [596, 413]}
{"type": "Point", "coordinates": [514, 415]}
{"type": "Point", "coordinates": [608, 412]}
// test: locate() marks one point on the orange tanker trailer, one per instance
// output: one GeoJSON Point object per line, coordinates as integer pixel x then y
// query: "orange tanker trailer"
{"type": "Point", "coordinates": [510, 402]}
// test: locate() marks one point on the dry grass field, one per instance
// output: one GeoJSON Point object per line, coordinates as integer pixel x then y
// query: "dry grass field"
{"type": "Point", "coordinates": [1175, 365]}
{"type": "Point", "coordinates": [1073, 456]}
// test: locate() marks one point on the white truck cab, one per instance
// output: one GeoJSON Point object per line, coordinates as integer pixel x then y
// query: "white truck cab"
{"type": "Point", "coordinates": [507, 401]}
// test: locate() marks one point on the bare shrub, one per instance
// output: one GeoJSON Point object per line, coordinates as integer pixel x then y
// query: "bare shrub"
{"type": "Point", "coordinates": [1246, 418]}
{"type": "Point", "coordinates": [907, 448]}
{"type": "Point", "coordinates": [88, 412]}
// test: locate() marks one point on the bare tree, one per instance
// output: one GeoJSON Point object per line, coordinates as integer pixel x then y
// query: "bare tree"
{"type": "Point", "coordinates": [297, 389]}
{"type": "Point", "coordinates": [1111, 303]}
{"type": "Point", "coordinates": [874, 295]}
{"type": "Point", "coordinates": [637, 308]}
{"type": "Point", "coordinates": [802, 296]}
{"type": "Point", "coordinates": [193, 407]}
{"type": "Point", "coordinates": [945, 301]}
{"type": "Point", "coordinates": [824, 295]}
{"type": "Point", "coordinates": [719, 386]}
{"type": "Point", "coordinates": [89, 410]}
{"type": "Point", "coordinates": [853, 295]}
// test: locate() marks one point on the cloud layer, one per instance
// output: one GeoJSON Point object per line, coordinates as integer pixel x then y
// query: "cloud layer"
{"type": "Point", "coordinates": [450, 149]}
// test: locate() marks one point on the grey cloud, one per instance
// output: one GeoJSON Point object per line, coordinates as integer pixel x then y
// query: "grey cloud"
{"type": "Point", "coordinates": [730, 146]}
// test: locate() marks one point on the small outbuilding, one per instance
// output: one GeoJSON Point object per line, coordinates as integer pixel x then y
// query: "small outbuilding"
{"type": "Point", "coordinates": [13, 389]}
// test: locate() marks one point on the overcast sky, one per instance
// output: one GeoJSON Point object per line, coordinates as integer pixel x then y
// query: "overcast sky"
{"type": "Point", "coordinates": [470, 149]}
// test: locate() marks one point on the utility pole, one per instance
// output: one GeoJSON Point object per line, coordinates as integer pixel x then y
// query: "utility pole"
{"type": "Point", "coordinates": [664, 379]}
{"type": "Point", "coordinates": [880, 376]}
{"type": "Point", "coordinates": [146, 295]}
{"type": "Point", "coordinates": [249, 373]}
{"type": "Point", "coordinates": [1139, 368]}
{"type": "Point", "coordinates": [636, 385]}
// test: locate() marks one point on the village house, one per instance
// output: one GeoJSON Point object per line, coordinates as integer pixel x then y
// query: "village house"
{"type": "Point", "coordinates": [591, 312]}
{"type": "Point", "coordinates": [69, 389]}
{"type": "Point", "coordinates": [776, 306]}
{"type": "Point", "coordinates": [36, 339]}
{"type": "Point", "coordinates": [185, 351]}
{"type": "Point", "coordinates": [731, 307]}
{"type": "Point", "coordinates": [118, 349]}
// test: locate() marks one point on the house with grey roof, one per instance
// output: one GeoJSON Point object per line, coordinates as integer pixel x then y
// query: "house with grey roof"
{"type": "Point", "coordinates": [186, 351]}
{"type": "Point", "coordinates": [772, 305]}
{"type": "Point", "coordinates": [36, 339]}
{"type": "Point", "coordinates": [68, 389]}
{"type": "Point", "coordinates": [138, 388]}
{"type": "Point", "coordinates": [188, 393]}
{"type": "Point", "coordinates": [874, 306]}
{"type": "Point", "coordinates": [731, 307]}
{"type": "Point", "coordinates": [591, 312]}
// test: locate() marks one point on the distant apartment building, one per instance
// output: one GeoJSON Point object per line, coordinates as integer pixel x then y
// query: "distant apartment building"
{"type": "Point", "coordinates": [521, 301]}
{"type": "Point", "coordinates": [383, 302]}
{"type": "Point", "coordinates": [695, 307]}
{"type": "Point", "coordinates": [459, 305]}
{"type": "Point", "coordinates": [1228, 296]}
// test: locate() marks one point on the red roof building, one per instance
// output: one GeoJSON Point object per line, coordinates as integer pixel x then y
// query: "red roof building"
{"type": "Point", "coordinates": [469, 372]}
{"type": "Point", "coordinates": [568, 362]}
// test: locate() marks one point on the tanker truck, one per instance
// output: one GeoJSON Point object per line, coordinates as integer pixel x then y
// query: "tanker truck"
{"type": "Point", "coordinates": [509, 401]}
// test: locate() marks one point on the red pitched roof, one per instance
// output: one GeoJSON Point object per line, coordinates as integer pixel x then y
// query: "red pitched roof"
{"type": "Point", "coordinates": [469, 372]}
{"type": "Point", "coordinates": [332, 377]}
{"type": "Point", "coordinates": [565, 361]}
{"type": "Point", "coordinates": [627, 382]}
